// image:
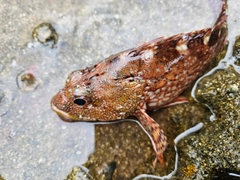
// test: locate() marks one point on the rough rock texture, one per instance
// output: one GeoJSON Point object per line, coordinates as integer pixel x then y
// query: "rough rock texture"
{"type": "Point", "coordinates": [217, 145]}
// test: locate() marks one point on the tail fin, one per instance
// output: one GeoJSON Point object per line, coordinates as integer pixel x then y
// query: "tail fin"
{"type": "Point", "coordinates": [222, 16]}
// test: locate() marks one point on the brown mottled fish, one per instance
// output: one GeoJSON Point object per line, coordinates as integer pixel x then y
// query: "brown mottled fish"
{"type": "Point", "coordinates": [147, 77]}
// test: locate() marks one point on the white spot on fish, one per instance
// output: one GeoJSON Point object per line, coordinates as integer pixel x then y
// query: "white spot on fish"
{"type": "Point", "coordinates": [77, 92]}
{"type": "Point", "coordinates": [122, 113]}
{"type": "Point", "coordinates": [163, 88]}
{"type": "Point", "coordinates": [153, 104]}
{"type": "Point", "coordinates": [157, 91]}
{"type": "Point", "coordinates": [166, 69]}
{"type": "Point", "coordinates": [181, 79]}
{"type": "Point", "coordinates": [182, 47]}
{"type": "Point", "coordinates": [142, 81]}
{"type": "Point", "coordinates": [166, 99]}
{"type": "Point", "coordinates": [147, 88]}
{"type": "Point", "coordinates": [90, 106]}
{"type": "Point", "coordinates": [147, 55]}
{"type": "Point", "coordinates": [151, 94]}
{"type": "Point", "coordinates": [168, 94]}
{"type": "Point", "coordinates": [219, 33]}
{"type": "Point", "coordinates": [206, 40]}
{"type": "Point", "coordinates": [70, 90]}
{"type": "Point", "coordinates": [154, 100]}
{"type": "Point", "coordinates": [161, 96]}
{"type": "Point", "coordinates": [160, 102]}
{"type": "Point", "coordinates": [158, 70]}
{"type": "Point", "coordinates": [169, 83]}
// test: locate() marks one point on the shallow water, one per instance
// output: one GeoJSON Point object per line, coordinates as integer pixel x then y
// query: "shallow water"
{"type": "Point", "coordinates": [34, 142]}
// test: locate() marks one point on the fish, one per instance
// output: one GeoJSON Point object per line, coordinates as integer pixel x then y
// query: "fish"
{"type": "Point", "coordinates": [137, 80]}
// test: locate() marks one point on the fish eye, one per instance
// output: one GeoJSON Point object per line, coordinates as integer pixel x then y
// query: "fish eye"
{"type": "Point", "coordinates": [80, 101]}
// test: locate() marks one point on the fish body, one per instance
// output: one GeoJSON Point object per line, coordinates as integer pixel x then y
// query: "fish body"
{"type": "Point", "coordinates": [147, 77]}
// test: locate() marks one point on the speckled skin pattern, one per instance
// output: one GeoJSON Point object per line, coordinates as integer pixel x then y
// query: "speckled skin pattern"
{"type": "Point", "coordinates": [148, 77]}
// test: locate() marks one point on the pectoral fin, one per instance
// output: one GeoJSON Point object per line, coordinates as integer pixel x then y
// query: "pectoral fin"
{"type": "Point", "coordinates": [178, 100]}
{"type": "Point", "coordinates": [158, 138]}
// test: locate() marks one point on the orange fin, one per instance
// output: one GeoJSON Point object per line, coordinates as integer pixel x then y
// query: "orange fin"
{"type": "Point", "coordinates": [178, 100]}
{"type": "Point", "coordinates": [158, 138]}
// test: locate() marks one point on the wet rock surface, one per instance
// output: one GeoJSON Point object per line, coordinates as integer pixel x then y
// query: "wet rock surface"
{"type": "Point", "coordinates": [79, 173]}
{"type": "Point", "coordinates": [27, 81]}
{"type": "Point", "coordinates": [127, 146]}
{"type": "Point", "coordinates": [45, 34]}
{"type": "Point", "coordinates": [216, 147]}
{"type": "Point", "coordinates": [236, 50]}
{"type": "Point", "coordinates": [1, 178]}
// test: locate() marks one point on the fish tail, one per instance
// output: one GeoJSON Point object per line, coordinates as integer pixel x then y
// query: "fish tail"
{"type": "Point", "coordinates": [222, 16]}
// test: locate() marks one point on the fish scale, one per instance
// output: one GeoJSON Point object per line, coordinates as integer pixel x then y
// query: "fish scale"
{"type": "Point", "coordinates": [147, 77]}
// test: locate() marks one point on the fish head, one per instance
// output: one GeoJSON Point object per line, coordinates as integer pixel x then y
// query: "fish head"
{"type": "Point", "coordinates": [88, 97]}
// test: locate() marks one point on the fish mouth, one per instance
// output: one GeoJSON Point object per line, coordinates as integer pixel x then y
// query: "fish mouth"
{"type": "Point", "coordinates": [64, 118]}
{"type": "Point", "coordinates": [63, 115]}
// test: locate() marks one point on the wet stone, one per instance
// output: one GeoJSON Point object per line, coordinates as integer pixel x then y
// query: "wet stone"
{"type": "Point", "coordinates": [217, 144]}
{"type": "Point", "coordinates": [221, 91]}
{"type": "Point", "coordinates": [110, 170]}
{"type": "Point", "coordinates": [1, 178]}
{"type": "Point", "coordinates": [118, 147]}
{"type": "Point", "coordinates": [27, 81]}
{"type": "Point", "coordinates": [45, 34]}
{"type": "Point", "coordinates": [227, 174]}
{"type": "Point", "coordinates": [232, 88]}
{"type": "Point", "coordinates": [236, 50]}
{"type": "Point", "coordinates": [79, 173]}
